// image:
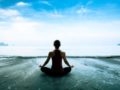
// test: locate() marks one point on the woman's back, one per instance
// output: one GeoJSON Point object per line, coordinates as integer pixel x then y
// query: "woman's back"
{"type": "Point", "coordinates": [56, 60]}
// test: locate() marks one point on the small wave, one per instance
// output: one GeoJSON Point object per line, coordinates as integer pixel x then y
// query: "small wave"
{"type": "Point", "coordinates": [22, 57]}
{"type": "Point", "coordinates": [95, 57]}
{"type": "Point", "coordinates": [29, 57]}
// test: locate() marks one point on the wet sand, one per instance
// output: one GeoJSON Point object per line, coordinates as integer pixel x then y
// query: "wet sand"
{"type": "Point", "coordinates": [23, 73]}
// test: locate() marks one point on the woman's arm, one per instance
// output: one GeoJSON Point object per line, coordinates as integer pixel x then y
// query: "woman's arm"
{"type": "Point", "coordinates": [65, 60]}
{"type": "Point", "coordinates": [47, 60]}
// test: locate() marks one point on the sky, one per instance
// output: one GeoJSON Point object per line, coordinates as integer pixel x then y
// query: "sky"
{"type": "Point", "coordinates": [74, 22]}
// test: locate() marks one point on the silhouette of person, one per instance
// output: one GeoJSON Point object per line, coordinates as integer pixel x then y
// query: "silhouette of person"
{"type": "Point", "coordinates": [57, 57]}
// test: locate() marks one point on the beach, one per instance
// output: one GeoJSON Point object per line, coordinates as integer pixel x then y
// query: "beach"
{"type": "Point", "coordinates": [89, 73]}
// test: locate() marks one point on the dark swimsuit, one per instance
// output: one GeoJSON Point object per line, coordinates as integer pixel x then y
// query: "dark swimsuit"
{"type": "Point", "coordinates": [56, 69]}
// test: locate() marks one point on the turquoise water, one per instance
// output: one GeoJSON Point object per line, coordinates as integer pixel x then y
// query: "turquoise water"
{"type": "Point", "coordinates": [95, 73]}
{"type": "Point", "coordinates": [95, 68]}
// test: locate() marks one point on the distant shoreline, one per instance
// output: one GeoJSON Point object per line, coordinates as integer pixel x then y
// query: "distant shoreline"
{"type": "Point", "coordinates": [27, 57]}
{"type": "Point", "coordinates": [3, 44]}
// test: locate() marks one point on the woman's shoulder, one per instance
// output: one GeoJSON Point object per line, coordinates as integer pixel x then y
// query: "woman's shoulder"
{"type": "Point", "coordinates": [62, 53]}
{"type": "Point", "coordinates": [52, 52]}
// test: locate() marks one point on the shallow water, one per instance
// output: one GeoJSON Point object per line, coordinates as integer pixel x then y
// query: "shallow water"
{"type": "Point", "coordinates": [23, 73]}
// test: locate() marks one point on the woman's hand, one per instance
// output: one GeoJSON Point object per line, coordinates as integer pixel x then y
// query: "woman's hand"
{"type": "Point", "coordinates": [40, 66]}
{"type": "Point", "coordinates": [71, 66]}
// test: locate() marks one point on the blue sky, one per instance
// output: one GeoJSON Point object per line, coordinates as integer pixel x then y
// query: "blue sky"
{"type": "Point", "coordinates": [78, 22]}
{"type": "Point", "coordinates": [87, 9]}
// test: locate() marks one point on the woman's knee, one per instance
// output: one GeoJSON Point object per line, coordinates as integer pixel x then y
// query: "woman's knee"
{"type": "Point", "coordinates": [42, 69]}
{"type": "Point", "coordinates": [67, 70]}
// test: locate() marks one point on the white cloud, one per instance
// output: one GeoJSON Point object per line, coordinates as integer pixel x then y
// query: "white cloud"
{"type": "Point", "coordinates": [53, 14]}
{"type": "Point", "coordinates": [21, 4]}
{"type": "Point", "coordinates": [80, 10]}
{"type": "Point", "coordinates": [46, 3]}
{"type": "Point", "coordinates": [27, 32]}
{"type": "Point", "coordinates": [22, 31]}
{"type": "Point", "coordinates": [83, 10]}
{"type": "Point", "coordinates": [9, 13]}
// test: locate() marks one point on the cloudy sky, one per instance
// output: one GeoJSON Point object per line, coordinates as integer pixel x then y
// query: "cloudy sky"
{"type": "Point", "coordinates": [74, 22]}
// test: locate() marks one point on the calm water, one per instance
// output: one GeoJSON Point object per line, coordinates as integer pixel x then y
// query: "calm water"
{"type": "Point", "coordinates": [23, 73]}
{"type": "Point", "coordinates": [81, 51]}
{"type": "Point", "coordinates": [20, 72]}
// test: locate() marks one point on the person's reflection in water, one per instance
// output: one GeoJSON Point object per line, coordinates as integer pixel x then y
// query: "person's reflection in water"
{"type": "Point", "coordinates": [57, 57]}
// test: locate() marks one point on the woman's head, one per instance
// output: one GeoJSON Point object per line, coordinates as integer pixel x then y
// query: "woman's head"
{"type": "Point", "coordinates": [57, 44]}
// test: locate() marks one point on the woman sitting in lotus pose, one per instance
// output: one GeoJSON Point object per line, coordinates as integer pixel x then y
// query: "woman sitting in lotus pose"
{"type": "Point", "coordinates": [57, 57]}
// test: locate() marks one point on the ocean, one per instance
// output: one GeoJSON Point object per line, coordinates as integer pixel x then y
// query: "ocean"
{"type": "Point", "coordinates": [92, 71]}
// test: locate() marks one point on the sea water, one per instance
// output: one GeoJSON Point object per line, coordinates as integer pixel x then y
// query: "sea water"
{"type": "Point", "coordinates": [89, 73]}
{"type": "Point", "coordinates": [95, 68]}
